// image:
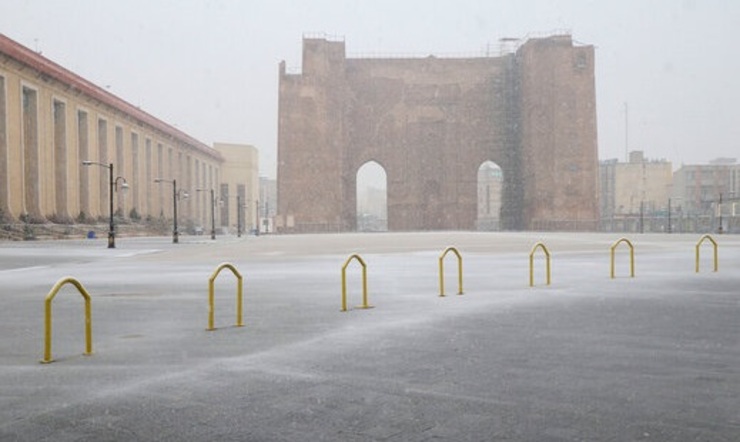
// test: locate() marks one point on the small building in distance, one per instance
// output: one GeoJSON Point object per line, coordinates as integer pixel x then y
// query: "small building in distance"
{"type": "Point", "coordinates": [239, 188]}
{"type": "Point", "coordinates": [267, 204]}
{"type": "Point", "coordinates": [372, 213]}
{"type": "Point", "coordinates": [635, 195]}
{"type": "Point", "coordinates": [701, 192]}
{"type": "Point", "coordinates": [490, 183]}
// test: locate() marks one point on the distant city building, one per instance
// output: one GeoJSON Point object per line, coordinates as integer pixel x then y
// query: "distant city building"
{"type": "Point", "coordinates": [633, 192]}
{"type": "Point", "coordinates": [239, 186]}
{"type": "Point", "coordinates": [267, 204]}
{"type": "Point", "coordinates": [372, 210]}
{"type": "Point", "coordinates": [698, 189]}
{"type": "Point", "coordinates": [490, 183]}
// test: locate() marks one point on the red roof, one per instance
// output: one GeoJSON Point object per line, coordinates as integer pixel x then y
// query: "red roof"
{"type": "Point", "coordinates": [42, 64]}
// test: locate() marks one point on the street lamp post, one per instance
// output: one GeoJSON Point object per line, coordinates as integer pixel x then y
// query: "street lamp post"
{"type": "Point", "coordinates": [175, 196]}
{"type": "Point", "coordinates": [257, 217]}
{"type": "Point", "coordinates": [113, 187]}
{"type": "Point", "coordinates": [731, 223]}
{"type": "Point", "coordinates": [213, 216]}
{"type": "Point", "coordinates": [679, 211]}
{"type": "Point", "coordinates": [213, 210]}
{"type": "Point", "coordinates": [720, 213]}
{"type": "Point", "coordinates": [238, 216]}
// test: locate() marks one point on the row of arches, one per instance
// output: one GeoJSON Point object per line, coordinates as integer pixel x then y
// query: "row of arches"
{"type": "Point", "coordinates": [372, 197]}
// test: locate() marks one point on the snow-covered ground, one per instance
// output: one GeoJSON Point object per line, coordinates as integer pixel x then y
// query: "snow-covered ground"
{"type": "Point", "coordinates": [655, 357]}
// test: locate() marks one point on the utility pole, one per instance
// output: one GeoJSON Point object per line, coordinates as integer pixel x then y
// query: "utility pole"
{"type": "Point", "coordinates": [719, 207]}
{"type": "Point", "coordinates": [257, 216]}
{"type": "Point", "coordinates": [626, 133]}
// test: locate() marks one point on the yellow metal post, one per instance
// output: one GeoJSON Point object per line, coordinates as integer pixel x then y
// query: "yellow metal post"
{"type": "Point", "coordinates": [365, 303]}
{"type": "Point", "coordinates": [716, 254]}
{"type": "Point", "coordinates": [211, 294]}
{"type": "Point", "coordinates": [364, 288]}
{"type": "Point", "coordinates": [531, 262]}
{"type": "Point", "coordinates": [632, 256]}
{"type": "Point", "coordinates": [47, 317]}
{"type": "Point", "coordinates": [344, 287]}
{"type": "Point", "coordinates": [442, 271]}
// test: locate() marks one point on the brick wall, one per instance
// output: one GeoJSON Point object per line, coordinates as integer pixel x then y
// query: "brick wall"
{"type": "Point", "coordinates": [431, 122]}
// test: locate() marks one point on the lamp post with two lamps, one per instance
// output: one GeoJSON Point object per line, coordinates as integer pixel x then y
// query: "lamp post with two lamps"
{"type": "Point", "coordinates": [113, 187]}
{"type": "Point", "coordinates": [176, 195]}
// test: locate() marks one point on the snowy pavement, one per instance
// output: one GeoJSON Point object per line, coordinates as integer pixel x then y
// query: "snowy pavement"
{"type": "Point", "coordinates": [655, 357]}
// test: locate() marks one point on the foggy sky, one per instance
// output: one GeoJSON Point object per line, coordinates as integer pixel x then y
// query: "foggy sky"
{"type": "Point", "coordinates": [210, 67]}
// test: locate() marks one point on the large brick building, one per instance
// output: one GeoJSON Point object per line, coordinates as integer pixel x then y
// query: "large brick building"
{"type": "Point", "coordinates": [430, 123]}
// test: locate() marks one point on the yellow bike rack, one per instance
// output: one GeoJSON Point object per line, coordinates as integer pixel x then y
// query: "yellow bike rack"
{"type": "Point", "coordinates": [531, 262]}
{"type": "Point", "coordinates": [47, 323]}
{"type": "Point", "coordinates": [632, 255]}
{"type": "Point", "coordinates": [211, 296]}
{"type": "Point", "coordinates": [714, 244]}
{"type": "Point", "coordinates": [442, 271]}
{"type": "Point", "coordinates": [364, 282]}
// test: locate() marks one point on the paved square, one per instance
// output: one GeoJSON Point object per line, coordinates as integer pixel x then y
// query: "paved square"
{"type": "Point", "coordinates": [655, 357]}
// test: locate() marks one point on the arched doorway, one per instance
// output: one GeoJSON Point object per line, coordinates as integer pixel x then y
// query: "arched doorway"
{"type": "Point", "coordinates": [372, 198]}
{"type": "Point", "coordinates": [490, 187]}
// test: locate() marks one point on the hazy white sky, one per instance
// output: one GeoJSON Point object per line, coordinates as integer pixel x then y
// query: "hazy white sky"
{"type": "Point", "coordinates": [210, 67]}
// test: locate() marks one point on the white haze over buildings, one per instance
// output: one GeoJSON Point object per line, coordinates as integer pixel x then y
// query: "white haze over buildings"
{"type": "Point", "coordinates": [210, 67]}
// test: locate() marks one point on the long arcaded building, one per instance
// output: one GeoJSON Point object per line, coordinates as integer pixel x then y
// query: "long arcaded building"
{"type": "Point", "coordinates": [52, 120]}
